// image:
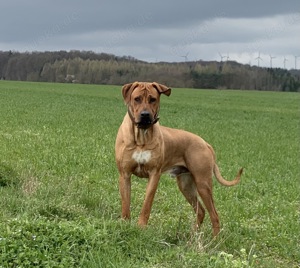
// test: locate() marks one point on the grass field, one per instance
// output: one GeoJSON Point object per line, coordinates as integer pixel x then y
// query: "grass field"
{"type": "Point", "coordinates": [59, 199]}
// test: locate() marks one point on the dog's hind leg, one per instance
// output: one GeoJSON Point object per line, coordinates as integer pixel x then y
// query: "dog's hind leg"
{"type": "Point", "coordinates": [204, 187]}
{"type": "Point", "coordinates": [188, 188]}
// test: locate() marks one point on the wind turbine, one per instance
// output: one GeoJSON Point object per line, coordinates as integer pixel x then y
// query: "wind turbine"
{"type": "Point", "coordinates": [227, 57]}
{"type": "Point", "coordinates": [258, 59]}
{"type": "Point", "coordinates": [284, 61]}
{"type": "Point", "coordinates": [296, 57]}
{"type": "Point", "coordinates": [271, 59]}
{"type": "Point", "coordinates": [185, 56]}
{"type": "Point", "coordinates": [222, 57]}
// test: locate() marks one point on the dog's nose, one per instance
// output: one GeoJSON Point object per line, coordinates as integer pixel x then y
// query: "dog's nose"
{"type": "Point", "coordinates": [145, 114]}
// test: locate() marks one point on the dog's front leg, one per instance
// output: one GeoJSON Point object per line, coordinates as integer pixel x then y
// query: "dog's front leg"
{"type": "Point", "coordinates": [150, 193]}
{"type": "Point", "coordinates": [125, 191]}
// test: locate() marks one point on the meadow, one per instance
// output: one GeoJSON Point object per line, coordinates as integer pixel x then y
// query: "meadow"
{"type": "Point", "coordinates": [59, 198]}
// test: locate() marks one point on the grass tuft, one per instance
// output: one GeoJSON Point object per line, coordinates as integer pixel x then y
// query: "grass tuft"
{"type": "Point", "coordinates": [7, 176]}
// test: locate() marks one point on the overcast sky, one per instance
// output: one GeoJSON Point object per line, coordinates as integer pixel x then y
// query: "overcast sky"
{"type": "Point", "coordinates": [158, 30]}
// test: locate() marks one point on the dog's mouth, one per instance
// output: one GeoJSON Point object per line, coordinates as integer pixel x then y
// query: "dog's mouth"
{"type": "Point", "coordinates": [144, 123]}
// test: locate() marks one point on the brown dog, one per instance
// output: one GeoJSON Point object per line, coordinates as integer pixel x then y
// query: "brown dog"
{"type": "Point", "coordinates": [146, 149]}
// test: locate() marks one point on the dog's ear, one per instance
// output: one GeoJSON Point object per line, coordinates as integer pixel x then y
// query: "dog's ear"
{"type": "Point", "coordinates": [162, 89]}
{"type": "Point", "coordinates": [127, 90]}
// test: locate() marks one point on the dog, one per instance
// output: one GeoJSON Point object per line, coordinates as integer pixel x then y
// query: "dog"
{"type": "Point", "coordinates": [146, 149]}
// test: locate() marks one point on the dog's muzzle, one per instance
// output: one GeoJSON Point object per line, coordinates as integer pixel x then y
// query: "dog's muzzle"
{"type": "Point", "coordinates": [145, 120]}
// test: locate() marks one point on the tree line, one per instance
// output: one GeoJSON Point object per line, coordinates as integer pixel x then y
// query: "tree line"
{"type": "Point", "coordinates": [88, 67]}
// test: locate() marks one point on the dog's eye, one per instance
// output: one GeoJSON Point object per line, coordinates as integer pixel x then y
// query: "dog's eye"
{"type": "Point", "coordinates": [138, 99]}
{"type": "Point", "coordinates": [152, 100]}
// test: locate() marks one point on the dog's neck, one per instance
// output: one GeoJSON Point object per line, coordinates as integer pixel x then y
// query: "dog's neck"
{"type": "Point", "coordinates": [142, 136]}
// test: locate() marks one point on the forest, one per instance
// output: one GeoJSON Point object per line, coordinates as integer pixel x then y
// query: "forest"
{"type": "Point", "coordinates": [88, 67]}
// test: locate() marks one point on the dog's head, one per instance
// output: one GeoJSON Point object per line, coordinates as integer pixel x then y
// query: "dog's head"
{"type": "Point", "coordinates": [142, 100]}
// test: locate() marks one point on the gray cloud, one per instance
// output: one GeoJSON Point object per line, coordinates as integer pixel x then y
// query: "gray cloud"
{"type": "Point", "coordinates": [155, 30]}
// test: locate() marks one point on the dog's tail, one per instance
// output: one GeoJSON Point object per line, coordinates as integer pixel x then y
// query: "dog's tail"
{"type": "Point", "coordinates": [218, 175]}
{"type": "Point", "coordinates": [225, 182]}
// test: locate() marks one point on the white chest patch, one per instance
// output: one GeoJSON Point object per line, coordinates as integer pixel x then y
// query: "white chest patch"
{"type": "Point", "coordinates": [142, 157]}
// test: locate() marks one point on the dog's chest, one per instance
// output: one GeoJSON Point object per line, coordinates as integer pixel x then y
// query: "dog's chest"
{"type": "Point", "coordinates": [142, 159]}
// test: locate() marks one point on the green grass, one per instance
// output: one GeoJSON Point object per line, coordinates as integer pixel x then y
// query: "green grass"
{"type": "Point", "coordinates": [59, 199]}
